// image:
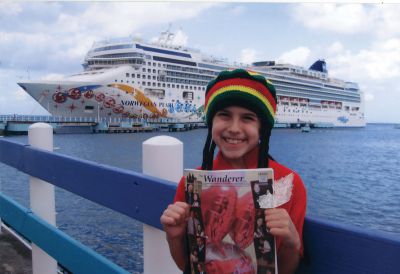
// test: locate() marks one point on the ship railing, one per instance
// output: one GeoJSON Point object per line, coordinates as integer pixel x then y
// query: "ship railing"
{"type": "Point", "coordinates": [329, 247]}
{"type": "Point", "coordinates": [87, 119]}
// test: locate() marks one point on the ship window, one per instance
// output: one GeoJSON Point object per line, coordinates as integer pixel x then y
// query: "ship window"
{"type": "Point", "coordinates": [154, 84]}
{"type": "Point", "coordinates": [138, 76]}
{"type": "Point", "coordinates": [148, 83]}
{"type": "Point", "coordinates": [191, 87]}
{"type": "Point", "coordinates": [89, 107]}
{"type": "Point", "coordinates": [148, 70]}
{"type": "Point", "coordinates": [127, 74]}
{"type": "Point", "coordinates": [133, 75]}
{"type": "Point", "coordinates": [154, 64]}
{"type": "Point", "coordinates": [187, 95]}
{"type": "Point", "coordinates": [186, 87]}
{"type": "Point", "coordinates": [154, 77]}
{"type": "Point", "coordinates": [149, 63]}
{"type": "Point", "coordinates": [154, 71]}
{"type": "Point", "coordinates": [144, 70]}
{"type": "Point", "coordinates": [173, 85]}
{"type": "Point", "coordinates": [143, 83]}
{"type": "Point", "coordinates": [163, 85]}
{"type": "Point", "coordinates": [168, 85]}
{"type": "Point", "coordinates": [116, 80]}
{"type": "Point", "coordinates": [158, 85]}
{"type": "Point", "coordinates": [122, 81]}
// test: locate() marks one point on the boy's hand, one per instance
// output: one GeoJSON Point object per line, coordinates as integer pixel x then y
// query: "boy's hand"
{"type": "Point", "coordinates": [279, 224]}
{"type": "Point", "coordinates": [174, 219]}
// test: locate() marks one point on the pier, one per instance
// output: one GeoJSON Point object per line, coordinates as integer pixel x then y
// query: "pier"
{"type": "Point", "coordinates": [15, 256]}
{"type": "Point", "coordinates": [19, 124]}
{"type": "Point", "coordinates": [329, 247]}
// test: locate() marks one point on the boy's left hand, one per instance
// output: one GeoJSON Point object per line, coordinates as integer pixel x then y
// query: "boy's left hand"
{"type": "Point", "coordinates": [280, 224]}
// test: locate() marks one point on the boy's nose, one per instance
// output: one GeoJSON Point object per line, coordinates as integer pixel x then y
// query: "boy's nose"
{"type": "Point", "coordinates": [234, 126]}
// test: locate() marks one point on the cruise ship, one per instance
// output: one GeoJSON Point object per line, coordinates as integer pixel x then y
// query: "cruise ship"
{"type": "Point", "coordinates": [128, 78]}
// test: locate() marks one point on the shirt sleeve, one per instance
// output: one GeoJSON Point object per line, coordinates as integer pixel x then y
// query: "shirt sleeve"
{"type": "Point", "coordinates": [298, 209]}
{"type": "Point", "coordinates": [180, 191]}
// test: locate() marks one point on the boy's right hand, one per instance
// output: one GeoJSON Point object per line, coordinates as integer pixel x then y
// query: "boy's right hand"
{"type": "Point", "coordinates": [174, 219]}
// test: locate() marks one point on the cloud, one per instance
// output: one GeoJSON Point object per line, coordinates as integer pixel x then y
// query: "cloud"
{"type": "Point", "coordinates": [369, 96]}
{"type": "Point", "coordinates": [376, 69]}
{"type": "Point", "coordinates": [14, 99]}
{"type": "Point", "coordinates": [178, 38]}
{"type": "Point", "coordinates": [56, 36]}
{"type": "Point", "coordinates": [8, 9]}
{"type": "Point", "coordinates": [248, 55]}
{"type": "Point", "coordinates": [387, 23]}
{"type": "Point", "coordinates": [377, 19]}
{"type": "Point", "coordinates": [123, 18]}
{"type": "Point", "coordinates": [335, 48]}
{"type": "Point", "coordinates": [379, 63]}
{"type": "Point", "coordinates": [20, 95]}
{"type": "Point", "coordinates": [347, 18]}
{"type": "Point", "coordinates": [52, 76]}
{"type": "Point", "coordinates": [237, 10]}
{"type": "Point", "coordinates": [299, 56]}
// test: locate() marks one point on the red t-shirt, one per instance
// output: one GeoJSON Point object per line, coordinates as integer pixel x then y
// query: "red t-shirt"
{"type": "Point", "coordinates": [296, 204]}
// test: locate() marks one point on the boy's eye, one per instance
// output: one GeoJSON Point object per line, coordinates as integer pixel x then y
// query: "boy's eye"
{"type": "Point", "coordinates": [249, 118]}
{"type": "Point", "coordinates": [222, 114]}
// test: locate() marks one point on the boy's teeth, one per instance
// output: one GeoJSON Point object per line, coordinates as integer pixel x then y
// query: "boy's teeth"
{"type": "Point", "coordinates": [233, 141]}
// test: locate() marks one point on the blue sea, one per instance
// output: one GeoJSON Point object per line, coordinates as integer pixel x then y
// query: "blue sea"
{"type": "Point", "coordinates": [351, 176]}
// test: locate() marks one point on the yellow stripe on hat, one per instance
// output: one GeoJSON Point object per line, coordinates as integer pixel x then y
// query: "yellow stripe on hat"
{"type": "Point", "coordinates": [245, 89]}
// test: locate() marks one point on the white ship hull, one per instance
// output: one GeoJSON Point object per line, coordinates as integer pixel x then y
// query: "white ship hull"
{"type": "Point", "coordinates": [109, 99]}
{"type": "Point", "coordinates": [319, 117]}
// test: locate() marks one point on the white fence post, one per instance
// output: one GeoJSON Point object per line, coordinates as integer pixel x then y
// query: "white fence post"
{"type": "Point", "coordinates": [163, 158]}
{"type": "Point", "coordinates": [42, 201]}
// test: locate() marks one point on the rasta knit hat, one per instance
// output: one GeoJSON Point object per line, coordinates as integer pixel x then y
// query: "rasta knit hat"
{"type": "Point", "coordinates": [241, 88]}
{"type": "Point", "coordinates": [245, 89]}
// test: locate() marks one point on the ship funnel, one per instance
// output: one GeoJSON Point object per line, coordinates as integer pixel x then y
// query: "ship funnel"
{"type": "Point", "coordinates": [319, 65]}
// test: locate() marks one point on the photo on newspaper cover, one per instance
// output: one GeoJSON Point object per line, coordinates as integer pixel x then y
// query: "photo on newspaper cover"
{"type": "Point", "coordinates": [226, 228]}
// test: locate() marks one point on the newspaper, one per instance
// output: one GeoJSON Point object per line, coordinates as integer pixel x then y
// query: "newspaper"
{"type": "Point", "coordinates": [226, 228]}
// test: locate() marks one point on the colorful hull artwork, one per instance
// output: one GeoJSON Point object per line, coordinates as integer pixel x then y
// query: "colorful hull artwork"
{"type": "Point", "coordinates": [110, 100]}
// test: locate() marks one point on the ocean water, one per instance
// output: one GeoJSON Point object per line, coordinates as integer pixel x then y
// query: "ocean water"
{"type": "Point", "coordinates": [351, 176]}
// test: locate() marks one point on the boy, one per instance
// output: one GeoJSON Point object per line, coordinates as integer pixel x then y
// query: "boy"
{"type": "Point", "coordinates": [240, 108]}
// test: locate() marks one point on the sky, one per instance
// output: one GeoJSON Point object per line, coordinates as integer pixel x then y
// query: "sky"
{"type": "Point", "coordinates": [359, 42]}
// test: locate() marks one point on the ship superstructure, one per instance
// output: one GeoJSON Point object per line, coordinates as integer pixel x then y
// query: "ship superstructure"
{"type": "Point", "coordinates": [129, 78]}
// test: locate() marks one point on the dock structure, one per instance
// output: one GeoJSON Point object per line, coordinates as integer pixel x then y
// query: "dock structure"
{"type": "Point", "coordinates": [15, 256]}
{"type": "Point", "coordinates": [329, 247]}
{"type": "Point", "coordinates": [19, 124]}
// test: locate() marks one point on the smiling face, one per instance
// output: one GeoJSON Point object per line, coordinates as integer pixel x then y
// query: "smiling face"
{"type": "Point", "coordinates": [235, 130]}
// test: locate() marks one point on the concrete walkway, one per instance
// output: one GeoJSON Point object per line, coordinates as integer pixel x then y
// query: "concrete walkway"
{"type": "Point", "coordinates": [15, 258]}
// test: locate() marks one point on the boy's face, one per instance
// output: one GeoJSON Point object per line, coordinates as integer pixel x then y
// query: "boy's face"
{"type": "Point", "coordinates": [235, 130]}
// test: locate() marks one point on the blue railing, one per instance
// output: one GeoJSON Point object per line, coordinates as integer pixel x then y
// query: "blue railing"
{"type": "Point", "coordinates": [329, 247]}
{"type": "Point", "coordinates": [68, 252]}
